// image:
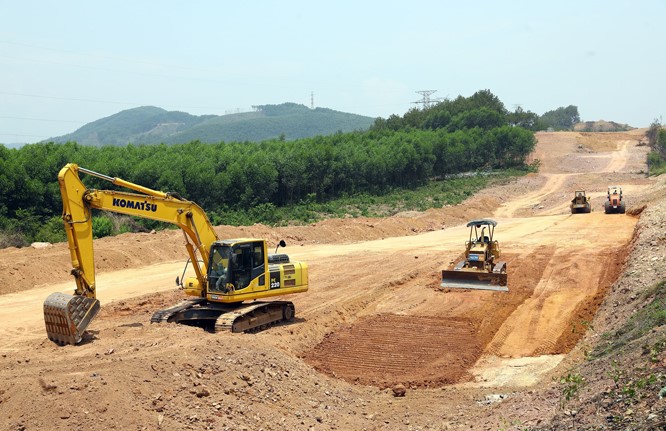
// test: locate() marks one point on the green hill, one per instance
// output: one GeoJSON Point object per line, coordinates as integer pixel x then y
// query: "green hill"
{"type": "Point", "coordinates": [152, 125]}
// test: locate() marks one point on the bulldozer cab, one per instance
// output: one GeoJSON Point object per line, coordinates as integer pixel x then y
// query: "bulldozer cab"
{"type": "Point", "coordinates": [580, 203]}
{"type": "Point", "coordinates": [579, 196]}
{"type": "Point", "coordinates": [481, 246]}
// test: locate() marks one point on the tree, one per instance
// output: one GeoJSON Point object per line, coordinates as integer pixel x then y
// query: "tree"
{"type": "Point", "coordinates": [484, 118]}
{"type": "Point", "coordinates": [526, 119]}
{"type": "Point", "coordinates": [561, 118]}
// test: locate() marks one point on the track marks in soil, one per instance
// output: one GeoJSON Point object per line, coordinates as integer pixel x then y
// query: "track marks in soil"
{"type": "Point", "coordinates": [386, 349]}
{"type": "Point", "coordinates": [433, 343]}
{"type": "Point", "coordinates": [553, 182]}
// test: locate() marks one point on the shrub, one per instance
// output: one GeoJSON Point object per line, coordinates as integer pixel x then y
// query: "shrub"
{"type": "Point", "coordinates": [102, 226]}
{"type": "Point", "coordinates": [52, 231]}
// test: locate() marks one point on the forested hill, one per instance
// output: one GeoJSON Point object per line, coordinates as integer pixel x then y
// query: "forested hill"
{"type": "Point", "coordinates": [277, 180]}
{"type": "Point", "coordinates": [152, 125]}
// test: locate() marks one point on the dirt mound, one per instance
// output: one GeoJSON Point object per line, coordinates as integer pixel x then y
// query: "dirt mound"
{"type": "Point", "coordinates": [601, 126]}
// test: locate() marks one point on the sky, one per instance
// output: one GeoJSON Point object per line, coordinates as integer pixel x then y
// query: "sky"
{"type": "Point", "coordinates": [65, 64]}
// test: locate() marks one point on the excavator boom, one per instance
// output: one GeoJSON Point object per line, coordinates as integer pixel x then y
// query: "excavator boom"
{"type": "Point", "coordinates": [67, 316]}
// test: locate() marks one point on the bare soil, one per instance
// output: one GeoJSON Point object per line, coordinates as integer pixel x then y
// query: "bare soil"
{"type": "Point", "coordinates": [373, 320]}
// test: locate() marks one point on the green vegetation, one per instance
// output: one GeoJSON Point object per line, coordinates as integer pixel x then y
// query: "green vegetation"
{"type": "Point", "coordinates": [483, 110]}
{"type": "Point", "coordinates": [657, 141]}
{"type": "Point", "coordinates": [435, 194]}
{"type": "Point", "coordinates": [151, 125]}
{"type": "Point", "coordinates": [377, 172]}
{"type": "Point", "coordinates": [561, 118]}
{"type": "Point", "coordinates": [640, 323]}
{"type": "Point", "coordinates": [571, 385]}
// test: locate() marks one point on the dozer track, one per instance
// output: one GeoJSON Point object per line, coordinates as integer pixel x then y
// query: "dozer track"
{"type": "Point", "coordinates": [219, 317]}
{"type": "Point", "coordinates": [67, 316]}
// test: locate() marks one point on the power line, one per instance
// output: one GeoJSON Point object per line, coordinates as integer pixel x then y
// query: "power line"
{"type": "Point", "coordinates": [41, 119]}
{"type": "Point", "coordinates": [110, 102]}
{"type": "Point", "coordinates": [26, 136]}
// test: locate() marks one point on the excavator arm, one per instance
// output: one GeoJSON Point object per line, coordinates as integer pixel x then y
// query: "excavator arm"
{"type": "Point", "coordinates": [67, 316]}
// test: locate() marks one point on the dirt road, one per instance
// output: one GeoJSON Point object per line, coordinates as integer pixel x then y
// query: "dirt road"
{"type": "Point", "coordinates": [374, 315]}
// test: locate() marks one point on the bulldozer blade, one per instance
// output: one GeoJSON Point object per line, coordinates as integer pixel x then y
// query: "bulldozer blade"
{"type": "Point", "coordinates": [475, 280]}
{"type": "Point", "coordinates": [67, 317]}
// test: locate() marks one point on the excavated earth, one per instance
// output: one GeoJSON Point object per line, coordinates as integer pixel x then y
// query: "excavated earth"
{"type": "Point", "coordinates": [374, 322]}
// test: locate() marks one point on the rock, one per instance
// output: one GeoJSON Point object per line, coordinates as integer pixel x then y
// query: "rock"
{"type": "Point", "coordinates": [40, 244]}
{"type": "Point", "coordinates": [47, 386]}
{"type": "Point", "coordinates": [399, 390]}
{"type": "Point", "coordinates": [493, 398]}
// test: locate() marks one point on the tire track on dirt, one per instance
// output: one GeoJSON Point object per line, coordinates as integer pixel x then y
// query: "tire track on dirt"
{"type": "Point", "coordinates": [553, 183]}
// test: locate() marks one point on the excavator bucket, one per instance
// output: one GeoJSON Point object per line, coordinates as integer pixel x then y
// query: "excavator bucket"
{"type": "Point", "coordinates": [68, 316]}
{"type": "Point", "coordinates": [479, 280]}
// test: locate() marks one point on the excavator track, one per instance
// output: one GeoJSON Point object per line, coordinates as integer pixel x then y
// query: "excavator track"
{"type": "Point", "coordinates": [249, 317]}
{"type": "Point", "coordinates": [255, 316]}
{"type": "Point", "coordinates": [167, 314]}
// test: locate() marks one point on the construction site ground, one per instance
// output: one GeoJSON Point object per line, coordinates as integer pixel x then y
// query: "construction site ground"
{"type": "Point", "coordinates": [374, 319]}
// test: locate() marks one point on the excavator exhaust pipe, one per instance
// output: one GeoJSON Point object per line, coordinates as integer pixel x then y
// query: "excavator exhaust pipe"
{"type": "Point", "coordinates": [496, 281]}
{"type": "Point", "coordinates": [67, 316]}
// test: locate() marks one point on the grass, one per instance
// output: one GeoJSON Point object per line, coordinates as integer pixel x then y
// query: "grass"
{"type": "Point", "coordinates": [656, 164]}
{"type": "Point", "coordinates": [436, 194]}
{"type": "Point", "coordinates": [640, 323]}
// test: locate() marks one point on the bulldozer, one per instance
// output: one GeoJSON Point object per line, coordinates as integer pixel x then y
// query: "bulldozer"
{"type": "Point", "coordinates": [580, 203]}
{"type": "Point", "coordinates": [614, 200]}
{"type": "Point", "coordinates": [227, 273]}
{"type": "Point", "coordinates": [479, 270]}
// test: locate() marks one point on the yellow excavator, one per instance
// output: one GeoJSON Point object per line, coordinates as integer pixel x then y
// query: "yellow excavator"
{"type": "Point", "coordinates": [227, 272]}
{"type": "Point", "coordinates": [480, 268]}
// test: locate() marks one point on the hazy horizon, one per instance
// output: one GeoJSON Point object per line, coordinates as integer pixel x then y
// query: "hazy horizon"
{"type": "Point", "coordinates": [76, 62]}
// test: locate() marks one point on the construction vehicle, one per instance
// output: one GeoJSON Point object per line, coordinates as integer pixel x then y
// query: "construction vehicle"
{"type": "Point", "coordinates": [226, 272]}
{"type": "Point", "coordinates": [580, 203]}
{"type": "Point", "coordinates": [480, 268]}
{"type": "Point", "coordinates": [614, 200]}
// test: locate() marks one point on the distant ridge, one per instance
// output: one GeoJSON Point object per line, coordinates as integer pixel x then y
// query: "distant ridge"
{"type": "Point", "coordinates": [153, 125]}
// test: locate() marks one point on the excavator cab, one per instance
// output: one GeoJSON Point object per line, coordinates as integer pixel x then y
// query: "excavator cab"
{"type": "Point", "coordinates": [480, 268]}
{"type": "Point", "coordinates": [239, 270]}
{"type": "Point", "coordinates": [234, 266]}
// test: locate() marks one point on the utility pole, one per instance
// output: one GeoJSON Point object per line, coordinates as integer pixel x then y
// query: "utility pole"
{"type": "Point", "coordinates": [425, 101]}
{"type": "Point", "coordinates": [312, 100]}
